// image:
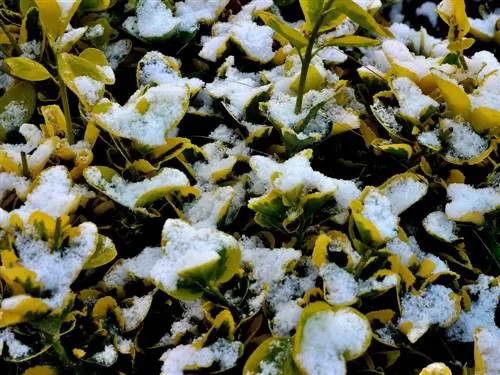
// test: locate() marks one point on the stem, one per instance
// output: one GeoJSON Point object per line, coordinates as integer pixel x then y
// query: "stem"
{"type": "Point", "coordinates": [217, 295]}
{"type": "Point", "coordinates": [11, 38]}
{"type": "Point", "coordinates": [306, 61]}
{"type": "Point", "coordinates": [66, 110]}
{"type": "Point", "coordinates": [3, 50]}
{"type": "Point", "coordinates": [24, 164]}
{"type": "Point", "coordinates": [59, 349]}
{"type": "Point", "coordinates": [57, 234]}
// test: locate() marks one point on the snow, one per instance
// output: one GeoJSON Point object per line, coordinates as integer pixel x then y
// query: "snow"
{"type": "Point", "coordinates": [485, 296]}
{"type": "Point", "coordinates": [220, 158]}
{"type": "Point", "coordinates": [401, 55]}
{"type": "Point", "coordinates": [31, 49]}
{"type": "Point", "coordinates": [54, 194]}
{"type": "Point", "coordinates": [340, 286]}
{"type": "Point", "coordinates": [193, 312]}
{"type": "Point", "coordinates": [140, 266]}
{"type": "Point", "coordinates": [157, 68]}
{"type": "Point", "coordinates": [281, 110]}
{"type": "Point", "coordinates": [154, 20]}
{"type": "Point", "coordinates": [70, 37]}
{"type": "Point", "coordinates": [166, 105]}
{"type": "Point", "coordinates": [377, 208]}
{"type": "Point", "coordinates": [205, 211]}
{"type": "Point", "coordinates": [213, 47]}
{"type": "Point", "coordinates": [117, 52]}
{"type": "Point", "coordinates": [186, 248]}
{"type": "Point", "coordinates": [297, 171]}
{"type": "Point", "coordinates": [410, 253]}
{"type": "Point", "coordinates": [412, 101]}
{"type": "Point", "coordinates": [340, 244]}
{"type": "Point", "coordinates": [488, 93]}
{"type": "Point", "coordinates": [487, 341]}
{"type": "Point", "coordinates": [124, 346]}
{"type": "Point", "coordinates": [379, 283]}
{"type": "Point", "coordinates": [94, 31]}
{"type": "Point", "coordinates": [428, 9]}
{"type": "Point", "coordinates": [327, 336]}
{"type": "Point", "coordinates": [116, 277]}
{"type": "Point", "coordinates": [255, 40]}
{"type": "Point", "coordinates": [56, 270]}
{"type": "Point", "coordinates": [387, 116]}
{"type": "Point", "coordinates": [10, 181]}
{"type": "Point", "coordinates": [465, 199]}
{"type": "Point", "coordinates": [65, 6]}
{"type": "Point", "coordinates": [192, 12]}
{"type": "Point", "coordinates": [403, 191]}
{"type": "Point", "coordinates": [269, 265]}
{"type": "Point", "coordinates": [107, 357]}
{"type": "Point", "coordinates": [128, 193]}
{"type": "Point", "coordinates": [430, 139]}
{"type": "Point", "coordinates": [387, 334]}
{"type": "Point", "coordinates": [286, 318]}
{"type": "Point", "coordinates": [438, 224]}
{"type": "Point", "coordinates": [222, 351]}
{"type": "Point", "coordinates": [16, 348]}
{"type": "Point", "coordinates": [284, 297]}
{"type": "Point", "coordinates": [89, 88]}
{"type": "Point", "coordinates": [486, 26]}
{"type": "Point", "coordinates": [419, 42]}
{"type": "Point", "coordinates": [435, 305]}
{"type": "Point", "coordinates": [12, 116]}
{"type": "Point", "coordinates": [137, 311]}
{"type": "Point", "coordinates": [237, 88]}
{"type": "Point", "coordinates": [463, 143]}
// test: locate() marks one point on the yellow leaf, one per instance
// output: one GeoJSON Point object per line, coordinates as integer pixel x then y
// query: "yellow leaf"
{"type": "Point", "coordinates": [455, 177]}
{"type": "Point", "coordinates": [485, 119]}
{"type": "Point", "coordinates": [453, 13]}
{"type": "Point", "coordinates": [425, 166]}
{"type": "Point", "coordinates": [458, 102]}
{"type": "Point", "coordinates": [361, 17]}
{"type": "Point", "coordinates": [320, 252]}
{"type": "Point", "coordinates": [143, 166]}
{"type": "Point", "coordinates": [25, 5]}
{"type": "Point", "coordinates": [91, 133]}
{"type": "Point", "coordinates": [314, 80]}
{"type": "Point", "coordinates": [97, 57]}
{"type": "Point", "coordinates": [436, 368]}
{"type": "Point", "coordinates": [294, 36]}
{"type": "Point", "coordinates": [399, 150]}
{"type": "Point", "coordinates": [53, 18]}
{"type": "Point", "coordinates": [54, 117]}
{"type": "Point", "coordinates": [105, 306]}
{"type": "Point", "coordinates": [41, 370]}
{"type": "Point", "coordinates": [104, 253]}
{"type": "Point", "coordinates": [383, 316]}
{"type": "Point", "coordinates": [276, 352]}
{"type": "Point", "coordinates": [319, 316]}
{"type": "Point", "coordinates": [27, 69]}
{"type": "Point", "coordinates": [21, 310]}
{"type": "Point", "coordinates": [350, 41]}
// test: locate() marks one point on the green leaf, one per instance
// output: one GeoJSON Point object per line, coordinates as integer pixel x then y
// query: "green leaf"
{"type": "Point", "coordinates": [23, 94]}
{"type": "Point", "coordinates": [27, 69]}
{"type": "Point", "coordinates": [361, 17]}
{"type": "Point", "coordinates": [275, 352]}
{"type": "Point", "coordinates": [294, 36]}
